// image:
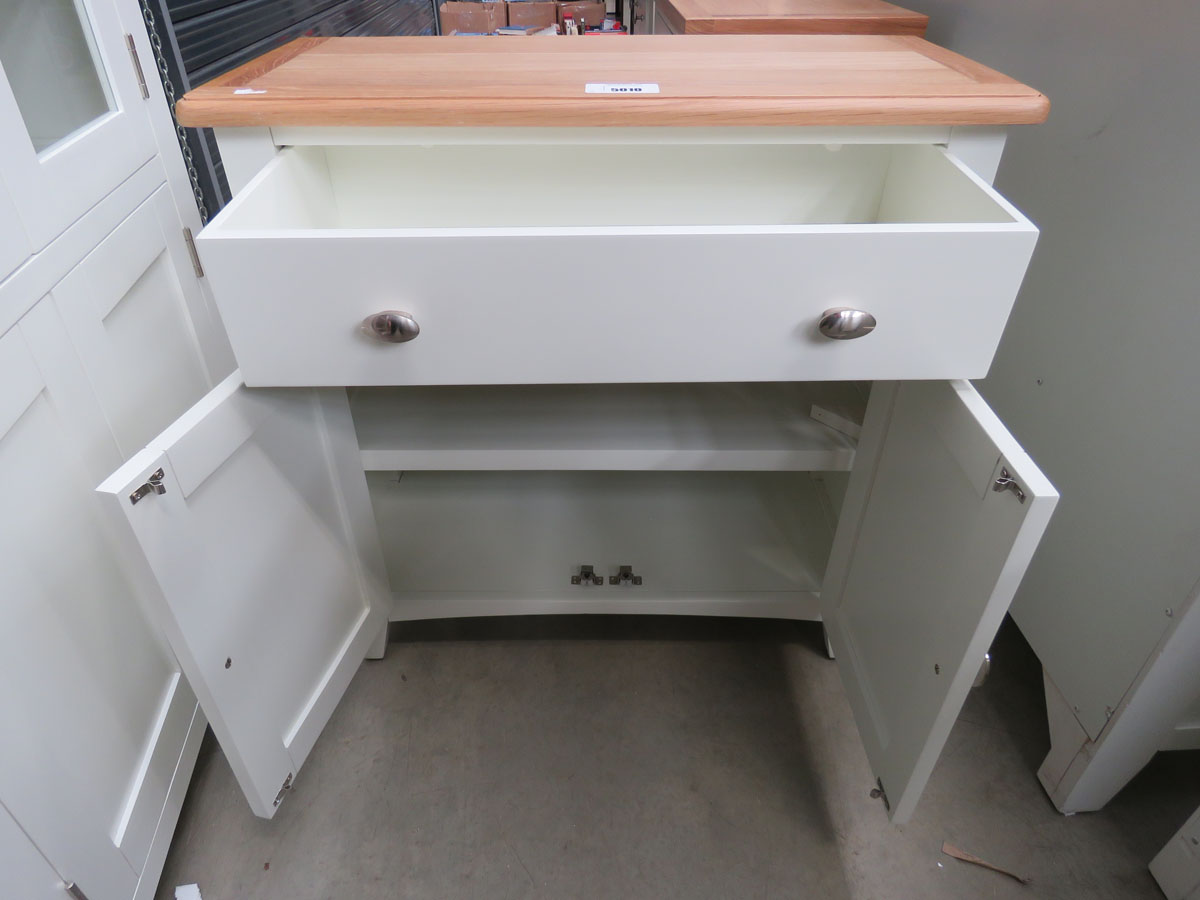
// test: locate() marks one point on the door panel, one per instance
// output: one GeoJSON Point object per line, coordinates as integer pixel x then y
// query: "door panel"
{"type": "Point", "coordinates": [125, 307]}
{"type": "Point", "coordinates": [924, 565]}
{"type": "Point", "coordinates": [27, 875]}
{"type": "Point", "coordinates": [268, 569]}
{"type": "Point", "coordinates": [14, 243]}
{"type": "Point", "coordinates": [72, 123]}
{"type": "Point", "coordinates": [82, 677]}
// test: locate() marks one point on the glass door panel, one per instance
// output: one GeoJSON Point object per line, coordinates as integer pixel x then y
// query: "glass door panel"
{"type": "Point", "coordinates": [53, 66]}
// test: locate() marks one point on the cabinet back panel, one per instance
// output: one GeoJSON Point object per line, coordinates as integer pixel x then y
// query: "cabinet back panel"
{"type": "Point", "coordinates": [528, 532]}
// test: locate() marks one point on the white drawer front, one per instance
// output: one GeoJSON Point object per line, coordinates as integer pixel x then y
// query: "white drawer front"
{"type": "Point", "coordinates": [695, 287]}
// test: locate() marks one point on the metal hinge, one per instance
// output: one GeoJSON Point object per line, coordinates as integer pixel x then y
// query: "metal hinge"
{"type": "Point", "coordinates": [153, 485]}
{"type": "Point", "coordinates": [190, 240]}
{"type": "Point", "coordinates": [1007, 483]}
{"type": "Point", "coordinates": [74, 890]}
{"type": "Point", "coordinates": [137, 66]}
{"type": "Point", "coordinates": [286, 786]}
{"type": "Point", "coordinates": [587, 575]}
{"type": "Point", "coordinates": [878, 793]}
{"type": "Point", "coordinates": [625, 575]}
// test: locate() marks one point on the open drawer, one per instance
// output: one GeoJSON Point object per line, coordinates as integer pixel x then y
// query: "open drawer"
{"type": "Point", "coordinates": [591, 264]}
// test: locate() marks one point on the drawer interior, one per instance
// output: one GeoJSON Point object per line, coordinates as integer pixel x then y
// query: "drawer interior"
{"type": "Point", "coordinates": [630, 186]}
{"type": "Point", "coordinates": [721, 498]}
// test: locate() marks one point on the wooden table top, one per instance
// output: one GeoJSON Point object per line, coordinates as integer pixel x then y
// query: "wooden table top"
{"type": "Point", "coordinates": [702, 80]}
{"type": "Point", "coordinates": [791, 17]}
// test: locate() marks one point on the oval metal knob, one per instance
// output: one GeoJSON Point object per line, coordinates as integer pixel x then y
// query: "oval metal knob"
{"type": "Point", "coordinates": [844, 323]}
{"type": "Point", "coordinates": [392, 326]}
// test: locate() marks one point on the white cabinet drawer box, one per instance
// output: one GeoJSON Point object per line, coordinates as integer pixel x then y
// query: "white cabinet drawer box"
{"type": "Point", "coordinates": [704, 262]}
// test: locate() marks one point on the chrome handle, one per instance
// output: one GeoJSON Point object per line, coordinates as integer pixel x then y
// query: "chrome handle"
{"type": "Point", "coordinates": [392, 326]}
{"type": "Point", "coordinates": [843, 323]}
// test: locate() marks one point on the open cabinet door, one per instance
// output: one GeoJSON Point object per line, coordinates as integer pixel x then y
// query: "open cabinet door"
{"type": "Point", "coordinates": [252, 512]}
{"type": "Point", "coordinates": [929, 552]}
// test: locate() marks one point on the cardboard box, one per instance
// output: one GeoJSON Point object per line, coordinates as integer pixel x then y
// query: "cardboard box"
{"type": "Point", "coordinates": [585, 12]}
{"type": "Point", "coordinates": [473, 17]}
{"type": "Point", "coordinates": [538, 13]}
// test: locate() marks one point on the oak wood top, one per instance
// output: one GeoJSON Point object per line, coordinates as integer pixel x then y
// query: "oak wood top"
{"type": "Point", "coordinates": [791, 17]}
{"type": "Point", "coordinates": [704, 80]}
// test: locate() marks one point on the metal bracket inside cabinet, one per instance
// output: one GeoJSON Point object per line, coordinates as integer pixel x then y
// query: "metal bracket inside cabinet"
{"type": "Point", "coordinates": [836, 421]}
{"type": "Point", "coordinates": [587, 575]}
{"type": "Point", "coordinates": [878, 793]}
{"type": "Point", "coordinates": [625, 574]}
{"type": "Point", "coordinates": [286, 786]}
{"type": "Point", "coordinates": [153, 485]}
{"type": "Point", "coordinates": [1007, 483]}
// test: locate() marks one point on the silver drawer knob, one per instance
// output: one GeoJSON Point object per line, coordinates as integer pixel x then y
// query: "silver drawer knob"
{"type": "Point", "coordinates": [392, 326]}
{"type": "Point", "coordinates": [844, 323]}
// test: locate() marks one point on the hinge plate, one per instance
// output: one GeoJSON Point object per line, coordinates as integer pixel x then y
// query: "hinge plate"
{"type": "Point", "coordinates": [1007, 483]}
{"type": "Point", "coordinates": [154, 485]}
{"type": "Point", "coordinates": [137, 66]}
{"type": "Point", "coordinates": [190, 240]}
{"type": "Point", "coordinates": [284, 788]}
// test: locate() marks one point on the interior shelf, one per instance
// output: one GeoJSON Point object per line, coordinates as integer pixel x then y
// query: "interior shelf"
{"type": "Point", "coordinates": [686, 427]}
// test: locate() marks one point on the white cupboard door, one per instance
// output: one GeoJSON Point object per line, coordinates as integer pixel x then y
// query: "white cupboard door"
{"type": "Point", "coordinates": [118, 680]}
{"type": "Point", "coordinates": [924, 565]}
{"type": "Point", "coordinates": [82, 677]}
{"type": "Point", "coordinates": [14, 242]}
{"type": "Point", "coordinates": [260, 535]}
{"type": "Point", "coordinates": [72, 121]}
{"type": "Point", "coordinates": [126, 308]}
{"type": "Point", "coordinates": [27, 875]}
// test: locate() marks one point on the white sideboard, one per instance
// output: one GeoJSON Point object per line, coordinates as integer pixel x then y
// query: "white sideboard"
{"type": "Point", "coordinates": [639, 398]}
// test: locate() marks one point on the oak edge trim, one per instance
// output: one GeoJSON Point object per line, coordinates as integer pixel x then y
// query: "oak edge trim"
{"type": "Point", "coordinates": [1018, 109]}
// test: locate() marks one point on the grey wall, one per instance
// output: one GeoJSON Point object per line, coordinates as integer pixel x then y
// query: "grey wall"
{"type": "Point", "coordinates": [1099, 371]}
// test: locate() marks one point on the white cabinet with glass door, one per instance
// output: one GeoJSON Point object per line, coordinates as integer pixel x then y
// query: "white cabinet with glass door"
{"type": "Point", "coordinates": [99, 350]}
{"type": "Point", "coordinates": [72, 119]}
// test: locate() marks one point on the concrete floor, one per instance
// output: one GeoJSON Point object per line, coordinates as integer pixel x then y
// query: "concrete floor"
{"type": "Point", "coordinates": [593, 757]}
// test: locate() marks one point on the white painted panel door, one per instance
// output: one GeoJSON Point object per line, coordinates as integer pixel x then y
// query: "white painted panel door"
{"type": "Point", "coordinates": [72, 121]}
{"type": "Point", "coordinates": [86, 687]}
{"type": "Point", "coordinates": [128, 308]}
{"type": "Point", "coordinates": [14, 242]}
{"type": "Point", "coordinates": [270, 579]}
{"type": "Point", "coordinates": [27, 874]}
{"type": "Point", "coordinates": [924, 565]}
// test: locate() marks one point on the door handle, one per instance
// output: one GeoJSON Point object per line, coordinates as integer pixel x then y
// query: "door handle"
{"type": "Point", "coordinates": [391, 326]}
{"type": "Point", "coordinates": [844, 324]}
